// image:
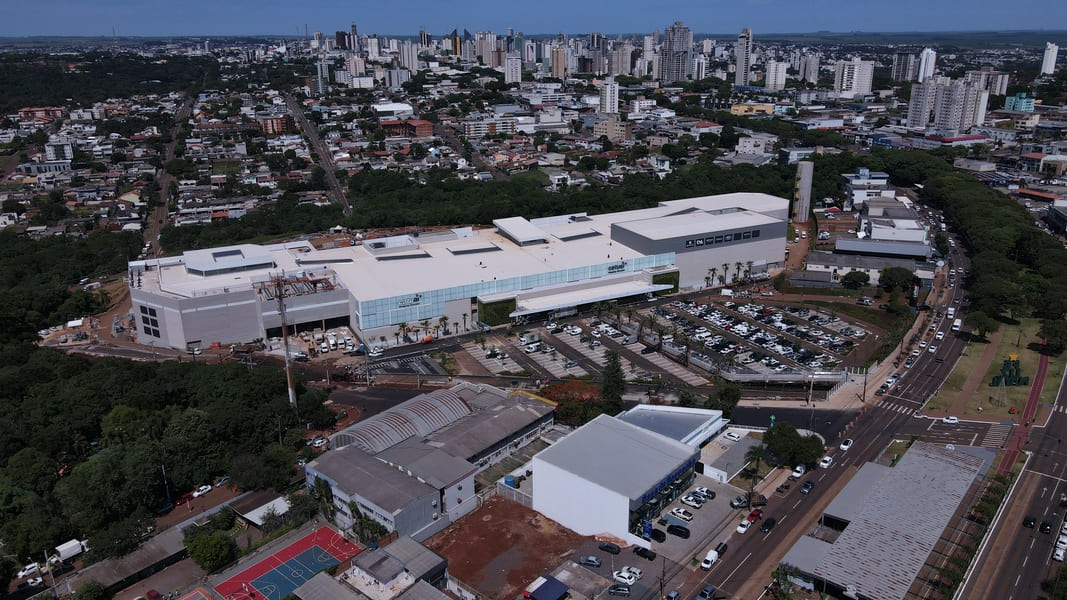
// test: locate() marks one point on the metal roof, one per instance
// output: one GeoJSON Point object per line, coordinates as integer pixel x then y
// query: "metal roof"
{"type": "Point", "coordinates": [617, 456]}
{"type": "Point", "coordinates": [419, 560]}
{"type": "Point", "coordinates": [882, 247]}
{"type": "Point", "coordinates": [901, 519]}
{"type": "Point", "coordinates": [420, 416]}
{"type": "Point", "coordinates": [323, 587]}
{"type": "Point", "coordinates": [520, 230]}
{"type": "Point", "coordinates": [675, 422]}
{"type": "Point", "coordinates": [357, 473]}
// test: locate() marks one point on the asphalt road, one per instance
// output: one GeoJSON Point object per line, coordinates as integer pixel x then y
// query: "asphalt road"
{"type": "Point", "coordinates": [159, 215]}
{"type": "Point", "coordinates": [319, 146]}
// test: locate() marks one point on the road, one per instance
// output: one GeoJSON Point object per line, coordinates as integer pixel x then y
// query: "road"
{"type": "Point", "coordinates": [163, 178]}
{"type": "Point", "coordinates": [311, 133]}
{"type": "Point", "coordinates": [446, 133]}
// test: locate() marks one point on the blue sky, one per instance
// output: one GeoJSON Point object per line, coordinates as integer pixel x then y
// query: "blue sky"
{"type": "Point", "coordinates": [255, 17]}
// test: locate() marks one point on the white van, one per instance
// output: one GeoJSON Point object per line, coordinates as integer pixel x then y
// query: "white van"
{"type": "Point", "coordinates": [534, 347]}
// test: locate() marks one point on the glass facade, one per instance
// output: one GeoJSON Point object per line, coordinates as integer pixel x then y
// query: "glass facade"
{"type": "Point", "coordinates": [411, 308]}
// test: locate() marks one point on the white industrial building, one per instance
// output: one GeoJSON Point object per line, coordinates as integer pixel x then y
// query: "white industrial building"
{"type": "Point", "coordinates": [614, 476]}
{"type": "Point", "coordinates": [519, 268]}
{"type": "Point", "coordinates": [864, 184]}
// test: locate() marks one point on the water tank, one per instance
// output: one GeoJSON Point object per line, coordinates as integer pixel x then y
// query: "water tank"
{"type": "Point", "coordinates": [509, 480]}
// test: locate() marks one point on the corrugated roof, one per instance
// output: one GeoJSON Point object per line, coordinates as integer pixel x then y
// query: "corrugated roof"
{"type": "Point", "coordinates": [420, 416]}
{"type": "Point", "coordinates": [356, 473]}
{"type": "Point", "coordinates": [323, 587]}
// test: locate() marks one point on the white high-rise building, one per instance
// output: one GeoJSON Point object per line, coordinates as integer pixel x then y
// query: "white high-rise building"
{"type": "Point", "coordinates": [1048, 62]}
{"type": "Point", "coordinates": [809, 68]}
{"type": "Point", "coordinates": [853, 77]}
{"type": "Point", "coordinates": [409, 55]}
{"type": "Point", "coordinates": [707, 46]}
{"type": "Point", "coordinates": [648, 45]}
{"type": "Point", "coordinates": [927, 60]}
{"type": "Point", "coordinates": [743, 57]}
{"type": "Point", "coordinates": [609, 96]}
{"type": "Point", "coordinates": [700, 67]}
{"type": "Point", "coordinates": [959, 105]}
{"type": "Point", "coordinates": [619, 60]}
{"type": "Point", "coordinates": [513, 69]}
{"type": "Point", "coordinates": [904, 67]}
{"type": "Point", "coordinates": [775, 78]}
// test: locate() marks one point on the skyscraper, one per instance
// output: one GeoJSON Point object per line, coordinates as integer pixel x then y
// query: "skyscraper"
{"type": "Point", "coordinates": [853, 77]}
{"type": "Point", "coordinates": [921, 103]}
{"type": "Point", "coordinates": [809, 67]}
{"type": "Point", "coordinates": [559, 62]}
{"type": "Point", "coordinates": [619, 61]}
{"type": "Point", "coordinates": [904, 67]}
{"type": "Point", "coordinates": [927, 58]}
{"type": "Point", "coordinates": [676, 53]}
{"type": "Point", "coordinates": [1048, 62]}
{"type": "Point", "coordinates": [775, 78]}
{"type": "Point", "coordinates": [743, 57]}
{"type": "Point", "coordinates": [609, 96]}
{"type": "Point", "coordinates": [513, 69]}
{"type": "Point", "coordinates": [700, 67]}
{"type": "Point", "coordinates": [409, 55]}
{"type": "Point", "coordinates": [959, 105]}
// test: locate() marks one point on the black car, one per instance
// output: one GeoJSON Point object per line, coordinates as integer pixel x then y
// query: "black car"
{"type": "Point", "coordinates": [1046, 527]}
{"type": "Point", "coordinates": [610, 548]}
{"type": "Point", "coordinates": [807, 487]}
{"type": "Point", "coordinates": [1029, 522]}
{"type": "Point", "coordinates": [768, 525]}
{"type": "Point", "coordinates": [619, 589]}
{"type": "Point", "coordinates": [648, 350]}
{"type": "Point", "coordinates": [678, 530]}
{"type": "Point", "coordinates": [707, 593]}
{"type": "Point", "coordinates": [644, 553]}
{"type": "Point", "coordinates": [658, 535]}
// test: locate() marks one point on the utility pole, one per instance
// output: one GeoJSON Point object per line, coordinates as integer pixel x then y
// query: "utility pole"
{"type": "Point", "coordinates": [279, 292]}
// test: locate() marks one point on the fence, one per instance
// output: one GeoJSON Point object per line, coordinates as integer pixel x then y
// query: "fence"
{"type": "Point", "coordinates": [505, 491]}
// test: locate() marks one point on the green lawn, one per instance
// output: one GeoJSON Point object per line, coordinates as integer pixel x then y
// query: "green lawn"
{"type": "Point", "coordinates": [226, 167]}
{"type": "Point", "coordinates": [1014, 340]}
{"type": "Point", "coordinates": [536, 176]}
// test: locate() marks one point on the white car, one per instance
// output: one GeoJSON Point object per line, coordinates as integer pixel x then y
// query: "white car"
{"type": "Point", "coordinates": [798, 472]}
{"type": "Point", "coordinates": [690, 501]}
{"type": "Point", "coordinates": [28, 570]}
{"type": "Point", "coordinates": [950, 420]}
{"type": "Point", "coordinates": [922, 343]}
{"type": "Point", "coordinates": [35, 581]}
{"type": "Point", "coordinates": [682, 514]}
{"type": "Point", "coordinates": [940, 335]}
{"type": "Point", "coordinates": [733, 437]}
{"type": "Point", "coordinates": [633, 571]}
{"type": "Point", "coordinates": [743, 526]}
{"type": "Point", "coordinates": [200, 491]}
{"type": "Point", "coordinates": [932, 349]}
{"type": "Point", "coordinates": [845, 445]}
{"type": "Point", "coordinates": [826, 462]}
{"type": "Point", "coordinates": [624, 577]}
{"type": "Point", "coordinates": [1062, 542]}
{"type": "Point", "coordinates": [1058, 555]}
{"type": "Point", "coordinates": [707, 493]}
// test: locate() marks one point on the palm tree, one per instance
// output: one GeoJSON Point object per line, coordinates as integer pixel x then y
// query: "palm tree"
{"type": "Point", "coordinates": [401, 330]}
{"type": "Point", "coordinates": [464, 321]}
{"type": "Point", "coordinates": [381, 338]}
{"type": "Point", "coordinates": [707, 279]}
{"type": "Point", "coordinates": [748, 269]}
{"type": "Point", "coordinates": [737, 271]}
{"type": "Point", "coordinates": [425, 326]}
{"type": "Point", "coordinates": [630, 314]}
{"type": "Point", "coordinates": [725, 271]}
{"type": "Point", "coordinates": [443, 322]}
{"type": "Point", "coordinates": [756, 454]}
{"type": "Point", "coordinates": [714, 272]}
{"type": "Point", "coordinates": [323, 494]}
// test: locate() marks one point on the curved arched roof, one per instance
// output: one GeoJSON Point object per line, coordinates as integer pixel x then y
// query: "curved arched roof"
{"type": "Point", "coordinates": [420, 416]}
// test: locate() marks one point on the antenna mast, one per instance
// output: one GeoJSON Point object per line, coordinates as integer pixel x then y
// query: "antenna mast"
{"type": "Point", "coordinates": [279, 287]}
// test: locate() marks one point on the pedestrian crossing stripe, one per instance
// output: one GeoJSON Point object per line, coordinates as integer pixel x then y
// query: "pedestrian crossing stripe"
{"type": "Point", "coordinates": [904, 410]}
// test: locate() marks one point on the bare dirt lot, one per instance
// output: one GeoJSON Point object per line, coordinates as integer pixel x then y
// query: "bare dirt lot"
{"type": "Point", "coordinates": [503, 546]}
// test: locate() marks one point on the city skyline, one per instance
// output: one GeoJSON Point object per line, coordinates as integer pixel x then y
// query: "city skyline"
{"type": "Point", "coordinates": [272, 17]}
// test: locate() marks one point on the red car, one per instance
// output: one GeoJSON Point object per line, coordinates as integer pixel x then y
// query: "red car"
{"type": "Point", "coordinates": [755, 515]}
{"type": "Point", "coordinates": [183, 499]}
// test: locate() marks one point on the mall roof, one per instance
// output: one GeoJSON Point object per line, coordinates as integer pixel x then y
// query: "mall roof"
{"type": "Point", "coordinates": [618, 456]}
{"type": "Point", "coordinates": [694, 223]}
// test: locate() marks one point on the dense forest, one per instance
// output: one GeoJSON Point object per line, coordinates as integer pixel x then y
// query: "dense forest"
{"type": "Point", "coordinates": [43, 79]}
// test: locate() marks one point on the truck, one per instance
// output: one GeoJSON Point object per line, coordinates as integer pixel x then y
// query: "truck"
{"type": "Point", "coordinates": [957, 324]}
{"type": "Point", "coordinates": [529, 338]}
{"type": "Point", "coordinates": [68, 550]}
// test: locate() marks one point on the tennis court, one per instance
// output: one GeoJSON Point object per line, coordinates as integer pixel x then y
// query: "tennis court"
{"type": "Point", "coordinates": [276, 576]}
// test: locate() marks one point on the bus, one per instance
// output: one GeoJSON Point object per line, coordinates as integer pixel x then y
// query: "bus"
{"type": "Point", "coordinates": [957, 324]}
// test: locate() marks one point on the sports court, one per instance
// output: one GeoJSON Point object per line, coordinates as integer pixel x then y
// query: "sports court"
{"type": "Point", "coordinates": [279, 574]}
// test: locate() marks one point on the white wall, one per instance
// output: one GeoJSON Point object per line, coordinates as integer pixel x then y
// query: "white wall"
{"type": "Point", "coordinates": [577, 504]}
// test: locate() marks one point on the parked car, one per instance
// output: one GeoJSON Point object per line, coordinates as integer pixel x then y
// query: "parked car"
{"type": "Point", "coordinates": [754, 516]}
{"type": "Point", "coordinates": [743, 526]}
{"type": "Point", "coordinates": [619, 589]}
{"type": "Point", "coordinates": [221, 481]}
{"type": "Point", "coordinates": [678, 530]}
{"type": "Point", "coordinates": [950, 420]}
{"type": "Point", "coordinates": [710, 495]}
{"type": "Point", "coordinates": [633, 571]}
{"type": "Point", "coordinates": [200, 491]}
{"type": "Point", "coordinates": [183, 499]}
{"type": "Point", "coordinates": [691, 501]}
{"type": "Point", "coordinates": [28, 570]}
{"type": "Point", "coordinates": [644, 553]}
{"type": "Point", "coordinates": [798, 472]}
{"type": "Point", "coordinates": [1058, 555]}
{"type": "Point", "coordinates": [624, 577]}
{"type": "Point", "coordinates": [682, 514]}
{"type": "Point", "coordinates": [707, 593]}
{"type": "Point", "coordinates": [610, 548]}
{"type": "Point", "coordinates": [733, 437]}
{"type": "Point", "coordinates": [589, 561]}
{"type": "Point", "coordinates": [659, 536]}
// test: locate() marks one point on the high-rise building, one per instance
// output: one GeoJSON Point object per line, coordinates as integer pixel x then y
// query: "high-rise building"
{"type": "Point", "coordinates": [853, 77]}
{"type": "Point", "coordinates": [988, 79]}
{"type": "Point", "coordinates": [409, 55]}
{"type": "Point", "coordinates": [743, 57]}
{"type": "Point", "coordinates": [959, 106]}
{"type": "Point", "coordinates": [802, 191]}
{"type": "Point", "coordinates": [700, 67]}
{"type": "Point", "coordinates": [676, 53]}
{"type": "Point", "coordinates": [905, 67]}
{"type": "Point", "coordinates": [927, 60]}
{"type": "Point", "coordinates": [809, 68]}
{"type": "Point", "coordinates": [319, 41]}
{"type": "Point", "coordinates": [424, 38]}
{"type": "Point", "coordinates": [559, 62]}
{"type": "Point", "coordinates": [648, 46]}
{"type": "Point", "coordinates": [609, 96]}
{"type": "Point", "coordinates": [921, 104]}
{"type": "Point", "coordinates": [1048, 61]}
{"type": "Point", "coordinates": [707, 46]}
{"type": "Point", "coordinates": [341, 40]}
{"type": "Point", "coordinates": [620, 60]}
{"type": "Point", "coordinates": [353, 39]}
{"type": "Point", "coordinates": [1018, 102]}
{"type": "Point", "coordinates": [775, 78]}
{"type": "Point", "coordinates": [513, 69]}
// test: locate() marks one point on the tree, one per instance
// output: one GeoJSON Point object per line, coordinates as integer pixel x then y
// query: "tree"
{"type": "Point", "coordinates": [7, 573]}
{"type": "Point", "coordinates": [1055, 333]}
{"type": "Point", "coordinates": [725, 398]}
{"type": "Point", "coordinates": [212, 551]}
{"type": "Point", "coordinates": [895, 278]}
{"type": "Point", "coordinates": [981, 323]}
{"type": "Point", "coordinates": [322, 492]}
{"type": "Point", "coordinates": [93, 590]}
{"type": "Point", "coordinates": [614, 384]}
{"type": "Point", "coordinates": [855, 280]}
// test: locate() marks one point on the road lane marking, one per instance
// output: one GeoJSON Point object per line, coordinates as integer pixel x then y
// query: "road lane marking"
{"type": "Point", "coordinates": [735, 569]}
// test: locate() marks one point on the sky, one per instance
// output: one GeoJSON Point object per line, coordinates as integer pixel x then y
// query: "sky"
{"type": "Point", "coordinates": [288, 17]}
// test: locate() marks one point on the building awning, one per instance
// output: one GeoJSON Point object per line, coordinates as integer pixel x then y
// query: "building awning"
{"type": "Point", "coordinates": [569, 298]}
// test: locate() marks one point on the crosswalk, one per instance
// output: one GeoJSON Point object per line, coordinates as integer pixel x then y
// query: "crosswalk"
{"type": "Point", "coordinates": [894, 407]}
{"type": "Point", "coordinates": [1060, 408]}
{"type": "Point", "coordinates": [997, 435]}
